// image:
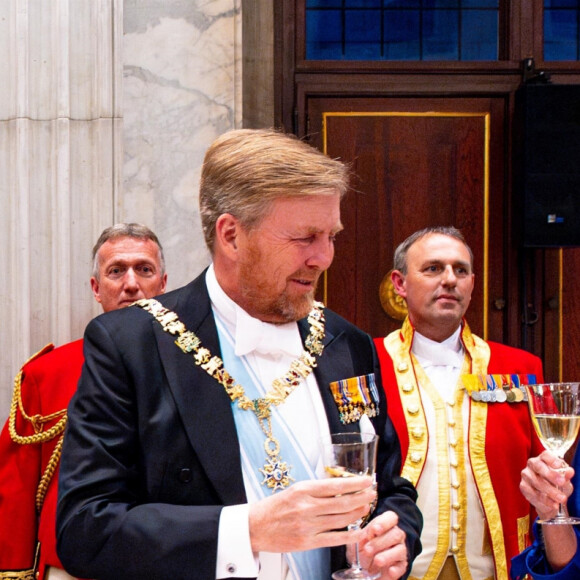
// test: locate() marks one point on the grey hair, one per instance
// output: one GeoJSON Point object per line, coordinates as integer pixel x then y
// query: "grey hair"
{"type": "Point", "coordinates": [400, 256]}
{"type": "Point", "coordinates": [123, 230]}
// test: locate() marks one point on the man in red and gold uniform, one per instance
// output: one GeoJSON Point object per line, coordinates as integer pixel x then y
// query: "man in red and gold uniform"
{"type": "Point", "coordinates": [128, 265]}
{"type": "Point", "coordinates": [457, 404]}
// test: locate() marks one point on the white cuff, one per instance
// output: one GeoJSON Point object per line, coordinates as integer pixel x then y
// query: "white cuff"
{"type": "Point", "coordinates": [234, 555]}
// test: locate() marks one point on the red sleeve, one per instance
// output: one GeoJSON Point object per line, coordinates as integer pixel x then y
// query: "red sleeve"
{"type": "Point", "coordinates": [393, 396]}
{"type": "Point", "coordinates": [47, 384]}
{"type": "Point", "coordinates": [19, 476]}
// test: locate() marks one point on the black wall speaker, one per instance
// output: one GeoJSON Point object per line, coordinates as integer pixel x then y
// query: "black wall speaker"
{"type": "Point", "coordinates": [547, 164]}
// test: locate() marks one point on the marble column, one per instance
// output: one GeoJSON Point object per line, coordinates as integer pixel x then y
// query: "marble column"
{"type": "Point", "coordinates": [106, 110]}
{"type": "Point", "coordinates": [181, 89]}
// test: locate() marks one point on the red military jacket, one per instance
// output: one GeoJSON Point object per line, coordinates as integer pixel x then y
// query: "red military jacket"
{"type": "Point", "coordinates": [501, 435]}
{"type": "Point", "coordinates": [42, 390]}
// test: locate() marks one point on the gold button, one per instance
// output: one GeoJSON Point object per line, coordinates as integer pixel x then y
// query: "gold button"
{"type": "Point", "coordinates": [408, 388]}
{"type": "Point", "coordinates": [455, 485]}
{"type": "Point", "coordinates": [417, 432]}
{"type": "Point", "coordinates": [456, 527]}
{"type": "Point", "coordinates": [451, 423]}
{"type": "Point", "coordinates": [454, 550]}
{"type": "Point", "coordinates": [416, 457]}
{"type": "Point", "coordinates": [453, 442]}
{"type": "Point", "coordinates": [456, 506]}
{"type": "Point", "coordinates": [402, 367]}
{"type": "Point", "coordinates": [453, 463]}
{"type": "Point", "coordinates": [413, 409]}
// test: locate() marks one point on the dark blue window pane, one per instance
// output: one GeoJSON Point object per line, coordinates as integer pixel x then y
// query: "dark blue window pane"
{"type": "Point", "coordinates": [480, 4]}
{"type": "Point", "coordinates": [324, 34]}
{"type": "Point", "coordinates": [560, 35]}
{"type": "Point", "coordinates": [402, 3]}
{"type": "Point", "coordinates": [411, 29]}
{"type": "Point", "coordinates": [440, 35]}
{"type": "Point", "coordinates": [361, 25]}
{"type": "Point", "coordinates": [429, 4]}
{"type": "Point", "coordinates": [561, 4]}
{"type": "Point", "coordinates": [325, 26]}
{"type": "Point", "coordinates": [362, 34]}
{"type": "Point", "coordinates": [323, 4]}
{"type": "Point", "coordinates": [479, 35]}
{"type": "Point", "coordinates": [363, 4]}
{"type": "Point", "coordinates": [402, 35]}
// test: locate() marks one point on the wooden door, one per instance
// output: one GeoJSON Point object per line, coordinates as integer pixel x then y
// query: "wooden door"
{"type": "Point", "coordinates": [416, 162]}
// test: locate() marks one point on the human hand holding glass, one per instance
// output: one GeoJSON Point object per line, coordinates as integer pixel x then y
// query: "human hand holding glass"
{"type": "Point", "coordinates": [555, 413]}
{"type": "Point", "coordinates": [346, 455]}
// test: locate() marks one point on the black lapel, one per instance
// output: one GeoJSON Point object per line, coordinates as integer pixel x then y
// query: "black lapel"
{"type": "Point", "coordinates": [203, 404]}
{"type": "Point", "coordinates": [334, 364]}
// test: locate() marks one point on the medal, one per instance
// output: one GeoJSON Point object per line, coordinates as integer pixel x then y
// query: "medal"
{"type": "Point", "coordinates": [275, 471]}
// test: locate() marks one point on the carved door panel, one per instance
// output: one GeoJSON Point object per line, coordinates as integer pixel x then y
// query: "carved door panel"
{"type": "Point", "coordinates": [417, 162]}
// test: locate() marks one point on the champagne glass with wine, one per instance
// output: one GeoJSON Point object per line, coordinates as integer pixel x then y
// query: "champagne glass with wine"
{"type": "Point", "coordinates": [347, 455]}
{"type": "Point", "coordinates": [555, 412]}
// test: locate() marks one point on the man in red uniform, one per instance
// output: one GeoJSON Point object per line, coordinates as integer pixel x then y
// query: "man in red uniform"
{"type": "Point", "coordinates": [464, 428]}
{"type": "Point", "coordinates": [128, 265]}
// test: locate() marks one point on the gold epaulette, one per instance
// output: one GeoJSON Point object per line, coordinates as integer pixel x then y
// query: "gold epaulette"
{"type": "Point", "coordinates": [40, 436]}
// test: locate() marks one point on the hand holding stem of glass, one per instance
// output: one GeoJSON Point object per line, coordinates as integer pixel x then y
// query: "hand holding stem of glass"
{"type": "Point", "coordinates": [347, 455]}
{"type": "Point", "coordinates": [555, 413]}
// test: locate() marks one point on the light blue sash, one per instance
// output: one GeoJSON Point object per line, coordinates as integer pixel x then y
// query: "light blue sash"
{"type": "Point", "coordinates": [305, 565]}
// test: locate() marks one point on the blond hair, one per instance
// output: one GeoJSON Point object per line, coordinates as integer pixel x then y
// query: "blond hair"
{"type": "Point", "coordinates": [124, 230]}
{"type": "Point", "coordinates": [245, 170]}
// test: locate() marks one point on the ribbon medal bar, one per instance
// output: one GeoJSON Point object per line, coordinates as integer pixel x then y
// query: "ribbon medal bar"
{"type": "Point", "coordinates": [497, 388]}
{"type": "Point", "coordinates": [355, 397]}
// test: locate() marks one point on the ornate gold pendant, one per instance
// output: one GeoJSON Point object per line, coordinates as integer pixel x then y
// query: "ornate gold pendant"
{"type": "Point", "coordinates": [276, 474]}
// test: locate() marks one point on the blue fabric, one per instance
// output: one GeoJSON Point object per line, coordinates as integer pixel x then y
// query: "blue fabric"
{"type": "Point", "coordinates": [307, 564]}
{"type": "Point", "coordinates": [533, 559]}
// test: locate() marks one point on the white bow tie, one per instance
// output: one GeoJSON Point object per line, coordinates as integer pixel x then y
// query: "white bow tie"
{"type": "Point", "coordinates": [266, 338]}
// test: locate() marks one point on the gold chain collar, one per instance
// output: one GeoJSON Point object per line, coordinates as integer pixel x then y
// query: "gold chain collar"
{"type": "Point", "coordinates": [275, 471]}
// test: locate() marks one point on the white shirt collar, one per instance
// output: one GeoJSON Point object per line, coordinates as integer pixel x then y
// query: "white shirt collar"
{"type": "Point", "coordinates": [251, 334]}
{"type": "Point", "coordinates": [432, 353]}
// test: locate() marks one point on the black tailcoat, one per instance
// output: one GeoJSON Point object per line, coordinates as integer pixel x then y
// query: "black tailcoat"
{"type": "Point", "coordinates": [151, 453]}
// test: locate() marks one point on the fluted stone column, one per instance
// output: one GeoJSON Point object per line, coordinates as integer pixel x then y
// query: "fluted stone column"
{"type": "Point", "coordinates": [106, 110]}
{"type": "Point", "coordinates": [60, 166]}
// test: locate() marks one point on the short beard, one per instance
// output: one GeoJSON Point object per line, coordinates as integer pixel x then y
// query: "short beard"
{"type": "Point", "coordinates": [292, 310]}
{"type": "Point", "coordinates": [281, 310]}
{"type": "Point", "coordinates": [278, 310]}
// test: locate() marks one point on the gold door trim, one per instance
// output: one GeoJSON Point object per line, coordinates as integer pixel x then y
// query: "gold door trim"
{"type": "Point", "coordinates": [487, 120]}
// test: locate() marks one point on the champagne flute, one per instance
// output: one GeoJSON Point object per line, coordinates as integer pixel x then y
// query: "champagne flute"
{"type": "Point", "coordinates": [346, 455]}
{"type": "Point", "coordinates": [555, 412]}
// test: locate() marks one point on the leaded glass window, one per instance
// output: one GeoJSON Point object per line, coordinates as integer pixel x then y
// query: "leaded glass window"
{"type": "Point", "coordinates": [561, 29]}
{"type": "Point", "coordinates": [458, 30]}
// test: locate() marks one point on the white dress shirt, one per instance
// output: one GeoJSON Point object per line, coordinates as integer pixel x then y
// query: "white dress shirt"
{"type": "Point", "coordinates": [269, 348]}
